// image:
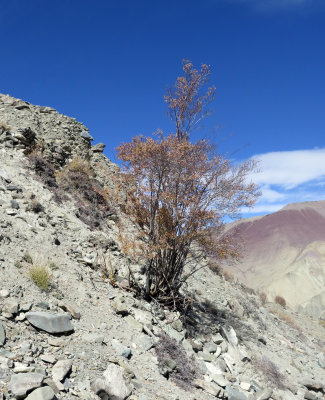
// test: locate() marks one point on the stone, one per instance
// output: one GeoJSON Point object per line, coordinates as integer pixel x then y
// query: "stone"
{"type": "Point", "coordinates": [121, 349]}
{"type": "Point", "coordinates": [220, 380]}
{"type": "Point", "coordinates": [310, 383]}
{"type": "Point", "coordinates": [112, 386]}
{"type": "Point", "coordinates": [217, 339]}
{"type": "Point", "coordinates": [85, 135]}
{"type": "Point", "coordinates": [2, 334]}
{"type": "Point", "coordinates": [229, 334]}
{"type": "Point", "coordinates": [20, 317]}
{"type": "Point", "coordinates": [120, 308]}
{"type": "Point", "coordinates": [61, 369]}
{"type": "Point", "coordinates": [177, 325]}
{"type": "Point", "coordinates": [69, 308]}
{"type": "Point", "coordinates": [98, 148]}
{"type": "Point", "coordinates": [310, 395]}
{"type": "Point", "coordinates": [93, 338]}
{"type": "Point", "coordinates": [56, 342]}
{"type": "Point", "coordinates": [22, 368]}
{"type": "Point", "coordinates": [145, 342]}
{"type": "Point", "coordinates": [4, 293]}
{"type": "Point", "coordinates": [245, 386]}
{"type": "Point", "coordinates": [48, 358]}
{"type": "Point", "coordinates": [208, 387]}
{"type": "Point", "coordinates": [51, 383]}
{"type": "Point", "coordinates": [206, 356]}
{"type": "Point", "coordinates": [133, 323]}
{"type": "Point", "coordinates": [14, 204]}
{"type": "Point", "coordinates": [144, 317]}
{"type": "Point", "coordinates": [210, 347]}
{"type": "Point", "coordinates": [243, 355]}
{"type": "Point", "coordinates": [10, 306]}
{"type": "Point", "coordinates": [42, 393]}
{"type": "Point", "coordinates": [263, 394]}
{"type": "Point", "coordinates": [321, 360]}
{"type": "Point", "coordinates": [21, 384]}
{"type": "Point", "coordinates": [196, 345]}
{"type": "Point", "coordinates": [51, 323]}
{"type": "Point", "coordinates": [234, 394]}
{"type": "Point", "coordinates": [4, 176]}
{"type": "Point", "coordinates": [25, 307]}
{"type": "Point", "coordinates": [171, 332]}
{"type": "Point", "coordinates": [214, 368]}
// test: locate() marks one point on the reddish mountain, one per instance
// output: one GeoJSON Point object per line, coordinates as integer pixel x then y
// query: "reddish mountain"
{"type": "Point", "coordinates": [284, 254]}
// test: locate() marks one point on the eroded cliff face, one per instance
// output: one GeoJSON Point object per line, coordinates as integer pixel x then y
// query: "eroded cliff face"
{"type": "Point", "coordinates": [284, 255]}
{"type": "Point", "coordinates": [88, 335]}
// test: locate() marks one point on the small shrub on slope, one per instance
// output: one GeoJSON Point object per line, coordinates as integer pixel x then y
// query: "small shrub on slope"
{"type": "Point", "coordinates": [280, 300]}
{"type": "Point", "coordinates": [41, 275]}
{"type": "Point", "coordinates": [173, 359]}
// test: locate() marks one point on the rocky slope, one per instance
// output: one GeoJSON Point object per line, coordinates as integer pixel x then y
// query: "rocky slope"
{"type": "Point", "coordinates": [284, 255]}
{"type": "Point", "coordinates": [88, 336]}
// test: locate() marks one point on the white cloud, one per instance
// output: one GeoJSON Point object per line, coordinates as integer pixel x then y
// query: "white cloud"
{"type": "Point", "coordinates": [290, 169]}
{"type": "Point", "coordinates": [287, 177]}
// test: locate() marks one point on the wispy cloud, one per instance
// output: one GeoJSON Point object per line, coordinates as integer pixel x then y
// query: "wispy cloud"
{"type": "Point", "coordinates": [268, 5]}
{"type": "Point", "coordinates": [289, 176]}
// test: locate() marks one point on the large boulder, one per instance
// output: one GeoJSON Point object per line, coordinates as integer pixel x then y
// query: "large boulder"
{"type": "Point", "coordinates": [51, 323]}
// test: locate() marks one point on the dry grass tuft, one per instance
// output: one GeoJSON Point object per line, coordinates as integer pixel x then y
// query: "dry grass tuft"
{"type": "Point", "coordinates": [41, 275]}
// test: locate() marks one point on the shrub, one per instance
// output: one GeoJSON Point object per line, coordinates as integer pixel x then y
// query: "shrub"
{"type": "Point", "coordinates": [41, 276]}
{"type": "Point", "coordinates": [262, 297]}
{"type": "Point", "coordinates": [35, 206]}
{"type": "Point", "coordinates": [280, 300]}
{"type": "Point", "coordinates": [77, 178]}
{"type": "Point", "coordinates": [321, 323]}
{"type": "Point", "coordinates": [43, 169]}
{"type": "Point", "coordinates": [271, 372]}
{"type": "Point", "coordinates": [174, 362]}
{"type": "Point", "coordinates": [180, 192]}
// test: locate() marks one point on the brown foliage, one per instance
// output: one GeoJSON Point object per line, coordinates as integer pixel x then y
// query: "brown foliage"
{"type": "Point", "coordinates": [185, 371]}
{"type": "Point", "coordinates": [271, 372]}
{"type": "Point", "coordinates": [180, 195]}
{"type": "Point", "coordinates": [186, 102]}
{"type": "Point", "coordinates": [179, 192]}
{"type": "Point", "coordinates": [262, 297]}
{"type": "Point", "coordinates": [280, 300]}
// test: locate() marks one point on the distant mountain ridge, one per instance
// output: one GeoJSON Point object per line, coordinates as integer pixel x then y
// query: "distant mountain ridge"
{"type": "Point", "coordinates": [284, 254]}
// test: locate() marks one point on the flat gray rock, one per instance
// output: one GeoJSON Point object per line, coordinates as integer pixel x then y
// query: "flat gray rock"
{"type": "Point", "coordinates": [42, 393]}
{"type": "Point", "coordinates": [51, 323]}
{"type": "Point", "coordinates": [21, 384]}
{"type": "Point", "coordinates": [2, 334]}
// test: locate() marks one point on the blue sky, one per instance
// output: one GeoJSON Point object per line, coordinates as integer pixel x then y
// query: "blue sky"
{"type": "Point", "coordinates": [108, 64]}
